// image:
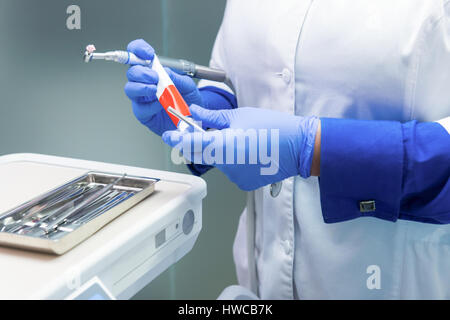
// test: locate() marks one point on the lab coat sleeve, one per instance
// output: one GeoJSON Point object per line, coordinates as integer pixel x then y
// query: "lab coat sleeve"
{"type": "Point", "coordinates": [215, 98]}
{"type": "Point", "coordinates": [385, 170]}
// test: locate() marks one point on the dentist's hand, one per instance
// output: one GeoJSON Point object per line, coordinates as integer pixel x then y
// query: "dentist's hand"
{"type": "Point", "coordinates": [253, 147]}
{"type": "Point", "coordinates": [141, 90]}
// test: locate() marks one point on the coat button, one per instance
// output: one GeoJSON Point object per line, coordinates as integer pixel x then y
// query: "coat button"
{"type": "Point", "coordinates": [275, 189]}
{"type": "Point", "coordinates": [287, 247]}
{"type": "Point", "coordinates": [286, 74]}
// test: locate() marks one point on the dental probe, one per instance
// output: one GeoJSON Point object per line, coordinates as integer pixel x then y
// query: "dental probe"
{"type": "Point", "coordinates": [188, 120]}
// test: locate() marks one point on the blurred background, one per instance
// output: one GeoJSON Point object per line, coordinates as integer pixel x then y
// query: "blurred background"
{"type": "Point", "coordinates": [53, 103]}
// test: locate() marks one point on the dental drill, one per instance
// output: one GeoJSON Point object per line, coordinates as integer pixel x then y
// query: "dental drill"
{"type": "Point", "coordinates": [166, 92]}
{"type": "Point", "coordinates": [181, 66]}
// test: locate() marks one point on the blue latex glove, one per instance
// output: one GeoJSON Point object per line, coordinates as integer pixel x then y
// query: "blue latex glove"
{"type": "Point", "coordinates": [141, 89]}
{"type": "Point", "coordinates": [287, 150]}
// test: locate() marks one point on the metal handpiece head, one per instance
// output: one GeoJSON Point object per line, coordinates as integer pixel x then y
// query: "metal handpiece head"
{"type": "Point", "coordinates": [88, 54]}
{"type": "Point", "coordinates": [119, 56]}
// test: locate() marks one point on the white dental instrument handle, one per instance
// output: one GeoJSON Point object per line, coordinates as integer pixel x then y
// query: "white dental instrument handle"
{"type": "Point", "coordinates": [169, 96]}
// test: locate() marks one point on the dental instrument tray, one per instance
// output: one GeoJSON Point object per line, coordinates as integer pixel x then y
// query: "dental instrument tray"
{"type": "Point", "coordinates": [60, 219]}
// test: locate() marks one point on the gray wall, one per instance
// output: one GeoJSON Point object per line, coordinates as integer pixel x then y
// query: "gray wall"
{"type": "Point", "coordinates": [53, 103]}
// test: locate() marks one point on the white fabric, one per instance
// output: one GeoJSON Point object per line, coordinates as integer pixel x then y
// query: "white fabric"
{"type": "Point", "coordinates": [204, 83]}
{"type": "Point", "coordinates": [237, 293]}
{"type": "Point", "coordinates": [347, 59]}
{"type": "Point", "coordinates": [445, 123]}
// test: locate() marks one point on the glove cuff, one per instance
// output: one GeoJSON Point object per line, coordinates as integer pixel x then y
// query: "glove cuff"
{"type": "Point", "coordinates": [307, 138]}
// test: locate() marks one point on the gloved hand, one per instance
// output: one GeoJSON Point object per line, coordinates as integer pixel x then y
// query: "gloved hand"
{"type": "Point", "coordinates": [141, 89]}
{"type": "Point", "coordinates": [253, 147]}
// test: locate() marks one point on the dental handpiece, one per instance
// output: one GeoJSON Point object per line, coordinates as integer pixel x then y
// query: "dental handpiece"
{"type": "Point", "coordinates": [166, 92]}
{"type": "Point", "coordinates": [181, 66]}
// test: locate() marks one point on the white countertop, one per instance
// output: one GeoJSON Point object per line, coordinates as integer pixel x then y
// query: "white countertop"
{"type": "Point", "coordinates": [26, 274]}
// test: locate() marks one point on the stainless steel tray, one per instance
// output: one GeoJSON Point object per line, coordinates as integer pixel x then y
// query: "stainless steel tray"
{"type": "Point", "coordinates": [60, 219]}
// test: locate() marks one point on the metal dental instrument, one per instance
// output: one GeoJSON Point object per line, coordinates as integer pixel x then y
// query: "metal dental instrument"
{"type": "Point", "coordinates": [99, 207]}
{"type": "Point", "coordinates": [16, 220]}
{"type": "Point", "coordinates": [37, 226]}
{"type": "Point", "coordinates": [102, 207]}
{"type": "Point", "coordinates": [94, 207]}
{"type": "Point", "coordinates": [111, 203]}
{"type": "Point", "coordinates": [54, 224]}
{"type": "Point", "coordinates": [181, 66]}
{"type": "Point", "coordinates": [185, 119]}
{"type": "Point", "coordinates": [72, 225]}
{"type": "Point", "coordinates": [35, 211]}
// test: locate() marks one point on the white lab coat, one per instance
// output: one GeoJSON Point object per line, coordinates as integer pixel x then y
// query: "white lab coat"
{"type": "Point", "coordinates": [360, 59]}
